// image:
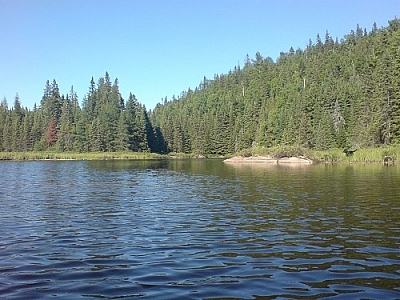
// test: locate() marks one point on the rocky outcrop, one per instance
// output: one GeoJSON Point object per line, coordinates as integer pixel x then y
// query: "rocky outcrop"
{"type": "Point", "coordinates": [268, 160]}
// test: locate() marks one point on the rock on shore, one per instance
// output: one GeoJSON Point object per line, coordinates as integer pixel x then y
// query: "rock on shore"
{"type": "Point", "coordinates": [268, 159]}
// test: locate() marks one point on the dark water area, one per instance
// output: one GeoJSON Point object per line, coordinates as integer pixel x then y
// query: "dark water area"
{"type": "Point", "coordinates": [198, 229]}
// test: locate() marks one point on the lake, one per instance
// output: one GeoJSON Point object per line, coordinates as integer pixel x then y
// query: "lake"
{"type": "Point", "coordinates": [198, 229]}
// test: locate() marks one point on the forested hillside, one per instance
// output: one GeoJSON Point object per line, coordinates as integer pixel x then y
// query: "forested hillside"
{"type": "Point", "coordinates": [331, 94]}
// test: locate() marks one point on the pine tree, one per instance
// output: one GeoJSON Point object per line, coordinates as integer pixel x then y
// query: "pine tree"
{"type": "Point", "coordinates": [51, 133]}
{"type": "Point", "coordinates": [65, 136]}
{"type": "Point", "coordinates": [132, 110]}
{"type": "Point", "coordinates": [96, 136]}
{"type": "Point", "coordinates": [81, 133]}
{"type": "Point", "coordinates": [7, 133]}
{"type": "Point", "coordinates": [38, 130]}
{"type": "Point", "coordinates": [142, 129]}
{"type": "Point", "coordinates": [3, 116]}
{"type": "Point", "coordinates": [122, 139]}
{"type": "Point", "coordinates": [26, 137]}
{"type": "Point", "coordinates": [16, 130]}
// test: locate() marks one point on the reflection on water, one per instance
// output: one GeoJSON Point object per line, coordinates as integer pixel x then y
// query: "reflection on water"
{"type": "Point", "coordinates": [198, 229]}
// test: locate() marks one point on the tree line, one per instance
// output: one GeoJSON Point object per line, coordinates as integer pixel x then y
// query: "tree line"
{"type": "Point", "coordinates": [331, 94]}
{"type": "Point", "coordinates": [104, 123]}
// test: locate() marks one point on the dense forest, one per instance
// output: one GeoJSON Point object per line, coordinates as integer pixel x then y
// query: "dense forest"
{"type": "Point", "coordinates": [331, 94]}
{"type": "Point", "coordinates": [105, 123]}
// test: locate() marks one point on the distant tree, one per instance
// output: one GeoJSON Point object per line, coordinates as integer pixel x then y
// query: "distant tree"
{"type": "Point", "coordinates": [7, 133]}
{"type": "Point", "coordinates": [38, 130]}
{"type": "Point", "coordinates": [51, 133]}
{"type": "Point", "coordinates": [26, 137]}
{"type": "Point", "coordinates": [122, 138]}
{"type": "Point", "coordinates": [81, 133]}
{"type": "Point", "coordinates": [3, 116]}
{"type": "Point", "coordinates": [67, 124]}
{"type": "Point", "coordinates": [258, 59]}
{"type": "Point", "coordinates": [17, 107]}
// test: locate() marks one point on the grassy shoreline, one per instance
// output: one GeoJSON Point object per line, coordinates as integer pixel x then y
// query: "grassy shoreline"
{"type": "Point", "coordinates": [364, 156]}
{"type": "Point", "coordinates": [77, 156]}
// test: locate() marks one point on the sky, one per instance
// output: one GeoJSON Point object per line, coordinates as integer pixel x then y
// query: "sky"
{"type": "Point", "coordinates": [159, 48]}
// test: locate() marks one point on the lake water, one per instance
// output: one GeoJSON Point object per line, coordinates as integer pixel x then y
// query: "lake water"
{"type": "Point", "coordinates": [198, 229]}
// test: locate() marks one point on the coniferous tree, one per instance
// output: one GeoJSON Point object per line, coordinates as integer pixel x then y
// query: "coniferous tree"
{"type": "Point", "coordinates": [7, 133]}
{"type": "Point", "coordinates": [3, 116]}
{"type": "Point", "coordinates": [51, 133]}
{"type": "Point", "coordinates": [27, 141]}
{"type": "Point", "coordinates": [65, 136]}
{"type": "Point", "coordinates": [122, 139]}
{"type": "Point", "coordinates": [16, 130]}
{"type": "Point", "coordinates": [81, 133]}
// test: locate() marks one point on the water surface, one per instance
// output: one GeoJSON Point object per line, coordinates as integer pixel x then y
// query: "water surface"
{"type": "Point", "coordinates": [198, 229]}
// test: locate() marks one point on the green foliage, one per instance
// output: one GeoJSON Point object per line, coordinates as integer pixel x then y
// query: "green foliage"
{"type": "Point", "coordinates": [103, 124]}
{"type": "Point", "coordinates": [329, 95]}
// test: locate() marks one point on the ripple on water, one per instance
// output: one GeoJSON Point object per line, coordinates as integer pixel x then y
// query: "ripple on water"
{"type": "Point", "coordinates": [111, 231]}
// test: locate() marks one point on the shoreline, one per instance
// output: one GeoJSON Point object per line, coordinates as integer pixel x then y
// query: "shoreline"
{"type": "Point", "coordinates": [48, 156]}
{"type": "Point", "coordinates": [386, 156]}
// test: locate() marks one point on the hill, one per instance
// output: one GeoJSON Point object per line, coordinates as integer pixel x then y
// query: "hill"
{"type": "Point", "coordinates": [332, 94]}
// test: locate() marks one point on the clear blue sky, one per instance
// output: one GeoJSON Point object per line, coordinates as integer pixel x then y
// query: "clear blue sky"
{"type": "Point", "coordinates": [159, 48]}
